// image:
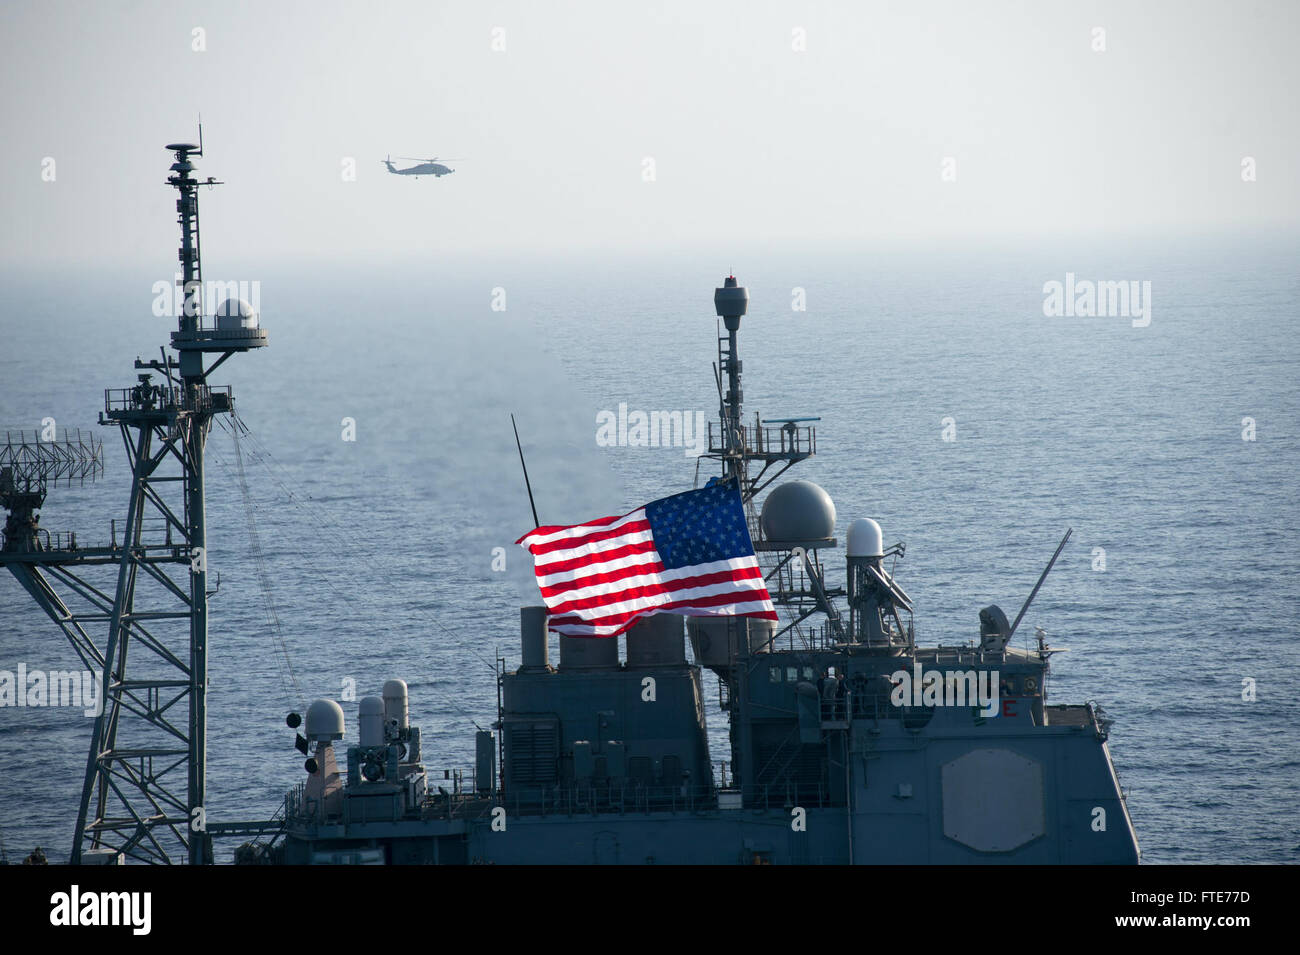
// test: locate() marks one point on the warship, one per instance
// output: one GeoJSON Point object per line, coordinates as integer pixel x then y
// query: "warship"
{"type": "Point", "coordinates": [849, 743]}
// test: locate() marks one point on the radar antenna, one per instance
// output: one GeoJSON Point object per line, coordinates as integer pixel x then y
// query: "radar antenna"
{"type": "Point", "coordinates": [28, 468]}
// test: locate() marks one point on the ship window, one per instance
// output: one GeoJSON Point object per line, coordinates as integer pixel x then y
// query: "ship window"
{"type": "Point", "coordinates": [807, 673]}
{"type": "Point", "coordinates": [773, 674]}
{"type": "Point", "coordinates": [792, 674]}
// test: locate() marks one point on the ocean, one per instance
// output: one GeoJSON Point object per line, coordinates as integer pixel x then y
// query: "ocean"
{"type": "Point", "coordinates": [956, 413]}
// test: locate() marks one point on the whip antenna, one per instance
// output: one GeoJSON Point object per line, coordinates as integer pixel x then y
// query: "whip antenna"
{"type": "Point", "coordinates": [536, 522]}
{"type": "Point", "coordinates": [1033, 593]}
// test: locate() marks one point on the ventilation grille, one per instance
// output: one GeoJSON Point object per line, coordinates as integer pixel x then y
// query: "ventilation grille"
{"type": "Point", "coordinates": [532, 751]}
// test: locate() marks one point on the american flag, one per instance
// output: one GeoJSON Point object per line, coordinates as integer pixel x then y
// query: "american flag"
{"type": "Point", "coordinates": [688, 554]}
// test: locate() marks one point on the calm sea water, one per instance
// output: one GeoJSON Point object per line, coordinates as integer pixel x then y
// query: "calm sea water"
{"type": "Point", "coordinates": [380, 550]}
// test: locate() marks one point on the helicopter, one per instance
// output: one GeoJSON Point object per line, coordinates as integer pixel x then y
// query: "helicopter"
{"type": "Point", "coordinates": [425, 167]}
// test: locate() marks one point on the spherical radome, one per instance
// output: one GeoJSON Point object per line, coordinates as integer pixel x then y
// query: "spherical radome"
{"type": "Point", "coordinates": [234, 314]}
{"type": "Point", "coordinates": [865, 539]}
{"type": "Point", "coordinates": [324, 721]}
{"type": "Point", "coordinates": [798, 511]}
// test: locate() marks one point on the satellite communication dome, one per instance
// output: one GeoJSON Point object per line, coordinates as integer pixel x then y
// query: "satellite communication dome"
{"type": "Point", "coordinates": [235, 314]}
{"type": "Point", "coordinates": [798, 511]}
{"type": "Point", "coordinates": [865, 539]}
{"type": "Point", "coordinates": [324, 721]}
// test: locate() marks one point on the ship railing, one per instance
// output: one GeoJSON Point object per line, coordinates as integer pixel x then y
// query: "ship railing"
{"type": "Point", "coordinates": [823, 636]}
{"type": "Point", "coordinates": [783, 795]}
{"type": "Point", "coordinates": [216, 398]}
{"type": "Point", "coordinates": [786, 440]}
{"type": "Point", "coordinates": [166, 398]}
{"type": "Point", "coordinates": [154, 532]}
{"type": "Point", "coordinates": [596, 798]}
{"type": "Point", "coordinates": [281, 816]}
{"type": "Point", "coordinates": [210, 326]}
{"type": "Point", "coordinates": [43, 540]}
{"type": "Point", "coordinates": [975, 653]}
{"type": "Point", "coordinates": [299, 808]}
{"type": "Point", "coordinates": [966, 655]}
{"type": "Point", "coordinates": [60, 540]}
{"type": "Point", "coordinates": [806, 634]}
{"type": "Point", "coordinates": [624, 798]}
{"type": "Point", "coordinates": [837, 710]}
{"type": "Point", "coordinates": [143, 397]}
{"type": "Point", "coordinates": [876, 706]}
{"type": "Point", "coordinates": [295, 803]}
{"type": "Point", "coordinates": [716, 444]}
{"type": "Point", "coordinates": [593, 799]}
{"type": "Point", "coordinates": [813, 637]}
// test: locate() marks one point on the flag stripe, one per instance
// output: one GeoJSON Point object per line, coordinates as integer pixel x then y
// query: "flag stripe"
{"type": "Point", "coordinates": [553, 531]}
{"type": "Point", "coordinates": [620, 566]}
{"type": "Point", "coordinates": [593, 550]}
{"type": "Point", "coordinates": [637, 576]}
{"type": "Point", "coordinates": [599, 577]}
{"type": "Point", "coordinates": [583, 533]}
{"type": "Point", "coordinates": [703, 586]}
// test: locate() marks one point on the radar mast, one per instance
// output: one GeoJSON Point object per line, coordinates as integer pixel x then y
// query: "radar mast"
{"type": "Point", "coordinates": [144, 790]}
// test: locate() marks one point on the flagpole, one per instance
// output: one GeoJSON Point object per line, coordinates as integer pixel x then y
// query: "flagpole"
{"type": "Point", "coordinates": [536, 522]}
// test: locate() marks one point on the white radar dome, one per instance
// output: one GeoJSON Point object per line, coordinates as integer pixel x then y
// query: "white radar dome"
{"type": "Point", "coordinates": [865, 539]}
{"type": "Point", "coordinates": [798, 511]}
{"type": "Point", "coordinates": [234, 314]}
{"type": "Point", "coordinates": [324, 721]}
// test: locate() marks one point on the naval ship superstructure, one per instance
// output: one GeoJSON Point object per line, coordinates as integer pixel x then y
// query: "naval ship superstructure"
{"type": "Point", "coordinates": [848, 742]}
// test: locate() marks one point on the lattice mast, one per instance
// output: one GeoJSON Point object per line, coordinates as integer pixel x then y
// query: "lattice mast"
{"type": "Point", "coordinates": [144, 790]}
{"type": "Point", "coordinates": [129, 801]}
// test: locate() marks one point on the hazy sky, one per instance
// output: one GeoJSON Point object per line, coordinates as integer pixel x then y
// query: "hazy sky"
{"type": "Point", "coordinates": [752, 139]}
